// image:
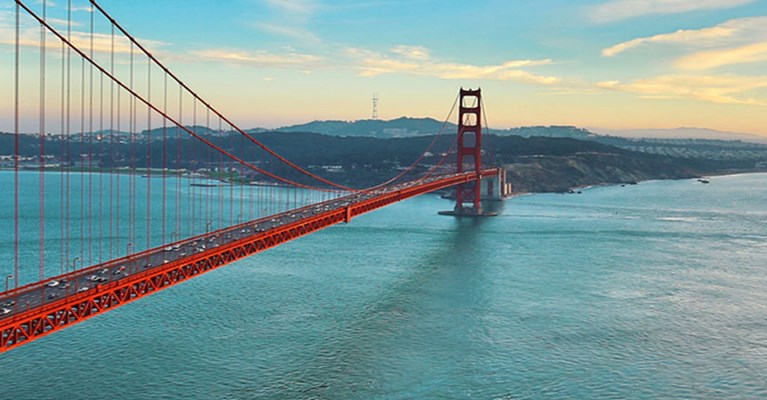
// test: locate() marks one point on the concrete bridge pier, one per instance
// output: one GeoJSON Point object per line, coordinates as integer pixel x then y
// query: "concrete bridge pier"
{"type": "Point", "coordinates": [495, 188]}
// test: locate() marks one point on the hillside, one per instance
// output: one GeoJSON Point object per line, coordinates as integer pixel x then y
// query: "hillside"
{"type": "Point", "coordinates": [535, 164]}
{"type": "Point", "coordinates": [681, 133]}
{"type": "Point", "coordinates": [400, 127]}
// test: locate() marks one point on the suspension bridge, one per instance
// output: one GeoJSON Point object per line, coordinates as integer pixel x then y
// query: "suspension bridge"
{"type": "Point", "coordinates": [133, 183]}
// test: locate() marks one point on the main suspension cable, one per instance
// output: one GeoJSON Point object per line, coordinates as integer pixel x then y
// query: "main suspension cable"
{"type": "Point", "coordinates": [241, 131]}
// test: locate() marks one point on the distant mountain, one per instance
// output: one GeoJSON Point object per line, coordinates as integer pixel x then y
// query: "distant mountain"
{"type": "Point", "coordinates": [400, 127]}
{"type": "Point", "coordinates": [553, 131]}
{"type": "Point", "coordinates": [408, 127]}
{"type": "Point", "coordinates": [171, 130]}
{"type": "Point", "coordinates": [682, 133]}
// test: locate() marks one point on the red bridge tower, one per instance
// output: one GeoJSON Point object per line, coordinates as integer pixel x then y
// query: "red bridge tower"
{"type": "Point", "coordinates": [469, 195]}
{"type": "Point", "coordinates": [469, 155]}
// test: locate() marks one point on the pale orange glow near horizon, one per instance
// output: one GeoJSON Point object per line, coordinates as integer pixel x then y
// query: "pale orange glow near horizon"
{"type": "Point", "coordinates": [596, 64]}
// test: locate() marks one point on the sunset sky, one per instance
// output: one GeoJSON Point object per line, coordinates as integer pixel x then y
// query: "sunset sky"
{"type": "Point", "coordinates": [603, 64]}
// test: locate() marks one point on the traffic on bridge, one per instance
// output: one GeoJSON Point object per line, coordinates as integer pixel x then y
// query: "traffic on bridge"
{"type": "Point", "coordinates": [129, 115]}
{"type": "Point", "coordinates": [35, 310]}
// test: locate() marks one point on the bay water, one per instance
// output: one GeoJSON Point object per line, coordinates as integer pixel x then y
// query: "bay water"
{"type": "Point", "coordinates": [655, 290]}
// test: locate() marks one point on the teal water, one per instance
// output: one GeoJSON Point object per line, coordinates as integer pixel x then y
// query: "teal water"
{"type": "Point", "coordinates": [650, 291]}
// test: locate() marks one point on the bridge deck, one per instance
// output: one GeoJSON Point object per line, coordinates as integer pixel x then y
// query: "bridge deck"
{"type": "Point", "coordinates": [38, 309]}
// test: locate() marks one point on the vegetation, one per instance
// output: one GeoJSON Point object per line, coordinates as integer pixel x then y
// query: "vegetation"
{"type": "Point", "coordinates": [535, 164]}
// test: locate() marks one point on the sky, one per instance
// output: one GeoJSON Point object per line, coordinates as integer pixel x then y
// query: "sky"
{"type": "Point", "coordinates": [612, 64]}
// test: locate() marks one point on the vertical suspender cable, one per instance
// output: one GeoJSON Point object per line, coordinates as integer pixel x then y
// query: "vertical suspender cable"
{"type": "Point", "coordinates": [68, 117]}
{"type": "Point", "coordinates": [41, 132]}
{"type": "Point", "coordinates": [118, 178]}
{"type": "Point", "coordinates": [164, 154]}
{"type": "Point", "coordinates": [208, 190]}
{"type": "Point", "coordinates": [220, 191]}
{"type": "Point", "coordinates": [62, 250]}
{"type": "Point", "coordinates": [90, 148]}
{"type": "Point", "coordinates": [112, 154]}
{"type": "Point", "coordinates": [132, 156]}
{"type": "Point", "coordinates": [177, 230]}
{"type": "Point", "coordinates": [193, 173]}
{"type": "Point", "coordinates": [16, 156]}
{"type": "Point", "coordinates": [81, 147]}
{"type": "Point", "coordinates": [100, 192]}
{"type": "Point", "coordinates": [149, 157]}
{"type": "Point", "coordinates": [241, 180]}
{"type": "Point", "coordinates": [100, 139]}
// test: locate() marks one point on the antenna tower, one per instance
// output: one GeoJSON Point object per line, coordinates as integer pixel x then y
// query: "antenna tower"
{"type": "Point", "coordinates": [375, 106]}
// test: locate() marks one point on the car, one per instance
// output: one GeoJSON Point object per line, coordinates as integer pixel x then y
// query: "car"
{"type": "Point", "coordinates": [118, 271]}
{"type": "Point", "coordinates": [104, 271]}
{"type": "Point", "coordinates": [53, 284]}
{"type": "Point", "coordinates": [93, 278]}
{"type": "Point", "coordinates": [169, 248]}
{"type": "Point", "coordinates": [148, 265]}
{"type": "Point", "coordinates": [51, 295]}
{"type": "Point", "coordinates": [82, 289]}
{"type": "Point", "coordinates": [102, 279]}
{"type": "Point", "coordinates": [5, 311]}
{"type": "Point", "coordinates": [10, 303]}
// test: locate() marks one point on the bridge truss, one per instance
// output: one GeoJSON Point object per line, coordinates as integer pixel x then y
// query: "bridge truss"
{"type": "Point", "coordinates": [127, 156]}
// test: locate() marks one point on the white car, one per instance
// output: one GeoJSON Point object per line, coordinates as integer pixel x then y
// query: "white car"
{"type": "Point", "coordinates": [5, 311]}
{"type": "Point", "coordinates": [53, 284]}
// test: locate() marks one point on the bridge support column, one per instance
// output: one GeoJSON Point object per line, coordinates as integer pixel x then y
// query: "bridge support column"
{"type": "Point", "coordinates": [348, 214]}
{"type": "Point", "coordinates": [468, 196]}
{"type": "Point", "coordinates": [495, 188]}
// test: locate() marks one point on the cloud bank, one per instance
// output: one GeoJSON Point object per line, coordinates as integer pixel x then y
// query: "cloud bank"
{"type": "Point", "coordinates": [618, 10]}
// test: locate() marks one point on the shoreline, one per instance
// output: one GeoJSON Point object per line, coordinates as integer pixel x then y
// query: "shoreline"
{"type": "Point", "coordinates": [575, 189]}
{"type": "Point", "coordinates": [158, 173]}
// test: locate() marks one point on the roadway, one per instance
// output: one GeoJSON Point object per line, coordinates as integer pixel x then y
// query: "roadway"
{"type": "Point", "coordinates": [53, 289]}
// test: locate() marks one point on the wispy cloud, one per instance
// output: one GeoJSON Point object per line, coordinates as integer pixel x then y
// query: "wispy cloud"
{"type": "Point", "coordinates": [259, 59]}
{"type": "Point", "coordinates": [416, 60]}
{"type": "Point", "coordinates": [295, 7]}
{"type": "Point", "coordinates": [703, 60]}
{"type": "Point", "coordinates": [618, 10]}
{"type": "Point", "coordinates": [680, 36]}
{"type": "Point", "coordinates": [412, 52]}
{"type": "Point", "coordinates": [290, 31]}
{"type": "Point", "coordinates": [721, 89]}
{"type": "Point", "coordinates": [733, 32]}
{"type": "Point", "coordinates": [291, 18]}
{"type": "Point", "coordinates": [29, 36]}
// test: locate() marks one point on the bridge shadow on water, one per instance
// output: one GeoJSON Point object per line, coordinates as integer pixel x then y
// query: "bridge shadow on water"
{"type": "Point", "coordinates": [389, 344]}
